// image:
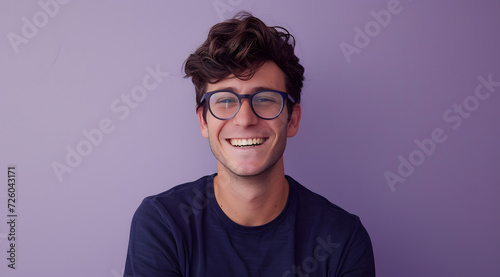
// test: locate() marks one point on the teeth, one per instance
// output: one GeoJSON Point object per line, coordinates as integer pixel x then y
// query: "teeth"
{"type": "Point", "coordinates": [246, 142]}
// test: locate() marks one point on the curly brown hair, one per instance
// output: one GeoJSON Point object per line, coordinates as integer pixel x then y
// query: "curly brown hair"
{"type": "Point", "coordinates": [240, 46]}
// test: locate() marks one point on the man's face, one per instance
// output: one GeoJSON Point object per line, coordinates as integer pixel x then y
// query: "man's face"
{"type": "Point", "coordinates": [224, 135]}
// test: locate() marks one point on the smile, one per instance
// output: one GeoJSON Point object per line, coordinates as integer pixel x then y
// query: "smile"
{"type": "Point", "coordinates": [247, 142]}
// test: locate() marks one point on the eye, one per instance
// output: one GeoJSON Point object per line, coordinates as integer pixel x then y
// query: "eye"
{"type": "Point", "coordinates": [267, 98]}
{"type": "Point", "coordinates": [226, 100]}
{"type": "Point", "coordinates": [263, 99]}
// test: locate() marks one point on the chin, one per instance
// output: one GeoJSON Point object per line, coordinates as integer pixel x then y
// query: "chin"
{"type": "Point", "coordinates": [251, 171]}
{"type": "Point", "coordinates": [247, 172]}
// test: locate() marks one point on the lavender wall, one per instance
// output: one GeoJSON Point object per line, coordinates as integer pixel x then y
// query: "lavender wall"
{"type": "Point", "coordinates": [400, 124]}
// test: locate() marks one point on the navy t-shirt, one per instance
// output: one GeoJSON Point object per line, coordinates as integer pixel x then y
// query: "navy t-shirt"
{"type": "Point", "coordinates": [184, 232]}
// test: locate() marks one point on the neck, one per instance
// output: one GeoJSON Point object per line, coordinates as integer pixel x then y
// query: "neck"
{"type": "Point", "coordinates": [252, 200]}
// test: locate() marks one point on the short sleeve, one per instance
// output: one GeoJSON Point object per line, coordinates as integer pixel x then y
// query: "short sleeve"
{"type": "Point", "coordinates": [358, 260]}
{"type": "Point", "coordinates": [152, 250]}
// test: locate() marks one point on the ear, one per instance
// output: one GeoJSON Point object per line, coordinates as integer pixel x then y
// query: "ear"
{"type": "Point", "coordinates": [293, 123]}
{"type": "Point", "coordinates": [203, 122]}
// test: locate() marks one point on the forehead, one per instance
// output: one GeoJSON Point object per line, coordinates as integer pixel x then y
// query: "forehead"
{"type": "Point", "coordinates": [268, 76]}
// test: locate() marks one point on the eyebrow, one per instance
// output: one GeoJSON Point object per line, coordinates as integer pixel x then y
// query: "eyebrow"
{"type": "Point", "coordinates": [252, 91]}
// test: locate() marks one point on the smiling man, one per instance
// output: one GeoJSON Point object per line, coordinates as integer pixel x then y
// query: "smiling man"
{"type": "Point", "coordinates": [248, 219]}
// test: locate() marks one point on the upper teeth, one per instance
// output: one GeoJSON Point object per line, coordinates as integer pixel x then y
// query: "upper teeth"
{"type": "Point", "coordinates": [245, 142]}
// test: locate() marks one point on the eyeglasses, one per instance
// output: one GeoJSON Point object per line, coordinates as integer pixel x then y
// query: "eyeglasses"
{"type": "Point", "coordinates": [266, 104]}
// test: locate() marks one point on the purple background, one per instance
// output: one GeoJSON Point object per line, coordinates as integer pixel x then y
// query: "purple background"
{"type": "Point", "coordinates": [358, 118]}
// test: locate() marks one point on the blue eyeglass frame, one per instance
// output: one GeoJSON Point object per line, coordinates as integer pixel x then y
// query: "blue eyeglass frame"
{"type": "Point", "coordinates": [284, 97]}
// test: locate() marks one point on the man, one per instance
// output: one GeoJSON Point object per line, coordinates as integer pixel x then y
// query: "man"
{"type": "Point", "coordinates": [249, 219]}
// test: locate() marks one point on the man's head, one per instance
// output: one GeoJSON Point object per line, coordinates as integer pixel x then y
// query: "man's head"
{"type": "Point", "coordinates": [252, 81]}
{"type": "Point", "coordinates": [239, 47]}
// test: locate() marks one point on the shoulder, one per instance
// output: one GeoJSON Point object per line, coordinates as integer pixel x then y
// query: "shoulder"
{"type": "Point", "coordinates": [318, 211]}
{"type": "Point", "coordinates": [335, 230]}
{"type": "Point", "coordinates": [178, 202]}
{"type": "Point", "coordinates": [183, 193]}
{"type": "Point", "coordinates": [160, 230]}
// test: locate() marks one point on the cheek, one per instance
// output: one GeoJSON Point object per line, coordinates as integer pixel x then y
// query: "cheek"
{"type": "Point", "coordinates": [281, 125]}
{"type": "Point", "coordinates": [214, 129]}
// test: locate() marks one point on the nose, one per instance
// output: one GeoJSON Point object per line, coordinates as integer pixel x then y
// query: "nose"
{"type": "Point", "coordinates": [245, 116]}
